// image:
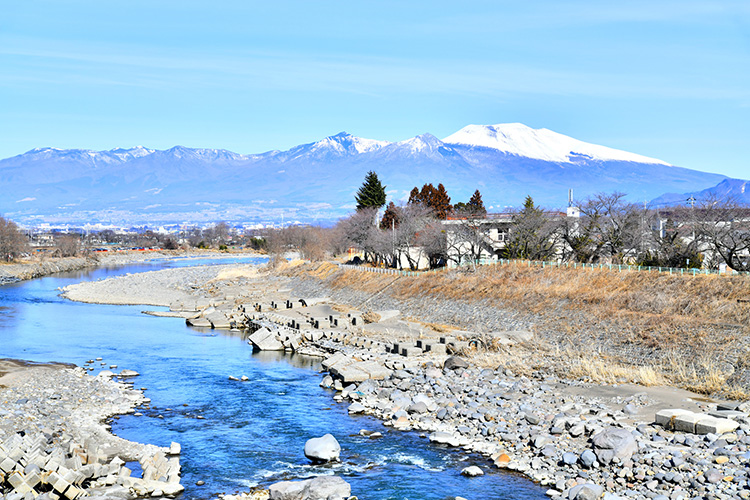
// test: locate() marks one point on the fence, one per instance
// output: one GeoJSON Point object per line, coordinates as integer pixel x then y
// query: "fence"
{"type": "Point", "coordinates": [544, 264]}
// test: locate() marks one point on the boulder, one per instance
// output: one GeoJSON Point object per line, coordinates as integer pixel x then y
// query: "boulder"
{"type": "Point", "coordinates": [472, 471]}
{"type": "Point", "coordinates": [454, 363]}
{"type": "Point", "coordinates": [614, 442]}
{"type": "Point", "coordinates": [322, 449]}
{"type": "Point", "coordinates": [321, 487]}
{"type": "Point", "coordinates": [586, 491]}
{"type": "Point", "coordinates": [128, 373]}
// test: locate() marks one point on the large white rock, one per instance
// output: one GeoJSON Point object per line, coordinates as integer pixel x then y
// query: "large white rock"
{"type": "Point", "coordinates": [321, 487]}
{"type": "Point", "coordinates": [322, 449]}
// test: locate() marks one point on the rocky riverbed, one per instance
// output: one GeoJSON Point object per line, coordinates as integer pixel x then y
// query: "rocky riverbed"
{"type": "Point", "coordinates": [581, 440]}
{"type": "Point", "coordinates": [55, 442]}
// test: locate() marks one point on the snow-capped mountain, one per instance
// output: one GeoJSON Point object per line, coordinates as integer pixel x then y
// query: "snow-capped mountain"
{"type": "Point", "coordinates": [541, 144]}
{"type": "Point", "coordinates": [317, 181]}
{"type": "Point", "coordinates": [736, 190]}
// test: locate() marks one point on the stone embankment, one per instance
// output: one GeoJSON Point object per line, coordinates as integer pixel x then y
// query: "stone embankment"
{"type": "Point", "coordinates": [55, 443]}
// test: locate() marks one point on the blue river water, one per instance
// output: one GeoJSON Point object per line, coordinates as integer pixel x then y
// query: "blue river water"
{"type": "Point", "coordinates": [251, 433]}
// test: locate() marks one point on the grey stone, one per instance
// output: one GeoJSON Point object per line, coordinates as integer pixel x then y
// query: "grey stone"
{"type": "Point", "coordinates": [569, 458]}
{"type": "Point", "coordinates": [614, 442]}
{"type": "Point", "coordinates": [586, 491]}
{"type": "Point", "coordinates": [532, 419]}
{"type": "Point", "coordinates": [454, 363]}
{"type": "Point", "coordinates": [588, 458]}
{"type": "Point", "coordinates": [356, 408]}
{"type": "Point", "coordinates": [418, 407]}
{"type": "Point", "coordinates": [713, 476]}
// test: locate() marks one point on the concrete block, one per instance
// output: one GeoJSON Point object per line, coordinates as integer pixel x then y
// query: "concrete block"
{"type": "Point", "coordinates": [715, 425]}
{"type": "Point", "coordinates": [7, 464]}
{"type": "Point", "coordinates": [435, 348]}
{"type": "Point", "coordinates": [687, 421]}
{"type": "Point", "coordinates": [373, 369]}
{"type": "Point", "coordinates": [447, 340]}
{"type": "Point", "coordinates": [33, 479]}
{"type": "Point", "coordinates": [411, 351]}
{"type": "Point", "coordinates": [667, 416]}
{"type": "Point", "coordinates": [337, 358]}
{"type": "Point", "coordinates": [733, 414]}
{"type": "Point", "coordinates": [265, 340]}
{"type": "Point", "coordinates": [313, 336]}
{"type": "Point", "coordinates": [458, 345]}
{"type": "Point", "coordinates": [348, 373]}
{"type": "Point", "coordinates": [71, 493]}
{"type": "Point", "coordinates": [219, 320]}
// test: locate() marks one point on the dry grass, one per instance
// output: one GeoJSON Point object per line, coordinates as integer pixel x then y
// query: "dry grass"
{"type": "Point", "coordinates": [648, 328]}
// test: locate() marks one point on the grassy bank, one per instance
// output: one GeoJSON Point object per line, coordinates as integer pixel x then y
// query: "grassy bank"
{"type": "Point", "coordinates": [690, 331]}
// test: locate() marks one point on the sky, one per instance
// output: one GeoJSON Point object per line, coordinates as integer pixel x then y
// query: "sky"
{"type": "Point", "coordinates": [665, 79]}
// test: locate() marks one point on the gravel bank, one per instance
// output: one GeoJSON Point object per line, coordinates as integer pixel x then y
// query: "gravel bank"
{"type": "Point", "coordinates": [54, 439]}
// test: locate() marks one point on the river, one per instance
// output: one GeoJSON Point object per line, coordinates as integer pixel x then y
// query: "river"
{"type": "Point", "coordinates": [250, 433]}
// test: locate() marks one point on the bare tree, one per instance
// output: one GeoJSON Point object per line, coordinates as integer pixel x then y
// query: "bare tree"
{"type": "Point", "coordinates": [669, 238]}
{"type": "Point", "coordinates": [608, 229]}
{"type": "Point", "coordinates": [724, 227]}
{"type": "Point", "coordinates": [12, 241]}
{"type": "Point", "coordinates": [466, 239]}
{"type": "Point", "coordinates": [68, 245]}
{"type": "Point", "coordinates": [361, 233]}
{"type": "Point", "coordinates": [409, 240]}
{"type": "Point", "coordinates": [532, 235]}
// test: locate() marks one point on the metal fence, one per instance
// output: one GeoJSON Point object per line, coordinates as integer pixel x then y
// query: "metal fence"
{"type": "Point", "coordinates": [545, 264]}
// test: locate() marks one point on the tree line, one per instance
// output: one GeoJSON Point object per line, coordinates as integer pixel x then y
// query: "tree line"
{"type": "Point", "coordinates": [428, 229]}
{"type": "Point", "coordinates": [604, 228]}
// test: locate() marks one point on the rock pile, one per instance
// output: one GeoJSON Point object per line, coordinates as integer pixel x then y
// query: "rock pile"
{"type": "Point", "coordinates": [53, 440]}
{"type": "Point", "coordinates": [579, 446]}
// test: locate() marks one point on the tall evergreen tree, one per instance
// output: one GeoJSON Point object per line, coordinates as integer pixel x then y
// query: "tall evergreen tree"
{"type": "Point", "coordinates": [441, 203]}
{"type": "Point", "coordinates": [414, 196]}
{"type": "Point", "coordinates": [390, 218]}
{"type": "Point", "coordinates": [372, 192]}
{"type": "Point", "coordinates": [436, 199]}
{"type": "Point", "coordinates": [476, 205]}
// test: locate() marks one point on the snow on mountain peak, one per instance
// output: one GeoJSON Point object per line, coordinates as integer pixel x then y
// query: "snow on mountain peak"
{"type": "Point", "coordinates": [344, 142]}
{"type": "Point", "coordinates": [422, 142]}
{"type": "Point", "coordinates": [542, 144]}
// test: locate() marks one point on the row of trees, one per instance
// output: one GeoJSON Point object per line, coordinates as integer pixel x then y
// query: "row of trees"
{"type": "Point", "coordinates": [606, 229]}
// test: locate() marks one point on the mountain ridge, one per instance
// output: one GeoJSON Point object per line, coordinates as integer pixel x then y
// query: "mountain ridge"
{"type": "Point", "coordinates": [317, 180]}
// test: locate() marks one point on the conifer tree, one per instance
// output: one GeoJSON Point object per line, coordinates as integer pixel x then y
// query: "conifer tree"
{"type": "Point", "coordinates": [441, 203]}
{"type": "Point", "coordinates": [476, 205]}
{"type": "Point", "coordinates": [372, 192]}
{"type": "Point", "coordinates": [414, 196]}
{"type": "Point", "coordinates": [390, 218]}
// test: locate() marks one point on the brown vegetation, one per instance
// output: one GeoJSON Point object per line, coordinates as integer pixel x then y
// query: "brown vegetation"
{"type": "Point", "coordinates": [604, 325]}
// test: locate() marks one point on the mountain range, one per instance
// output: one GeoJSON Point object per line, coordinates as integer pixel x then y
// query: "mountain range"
{"type": "Point", "coordinates": [316, 182]}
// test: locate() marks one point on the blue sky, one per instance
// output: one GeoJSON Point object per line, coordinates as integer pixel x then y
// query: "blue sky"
{"type": "Point", "coordinates": [666, 79]}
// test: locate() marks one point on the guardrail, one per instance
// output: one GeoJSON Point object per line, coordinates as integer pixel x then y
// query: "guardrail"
{"type": "Point", "coordinates": [543, 264]}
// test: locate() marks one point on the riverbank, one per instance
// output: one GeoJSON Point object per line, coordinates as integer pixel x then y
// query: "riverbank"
{"type": "Point", "coordinates": [44, 266]}
{"type": "Point", "coordinates": [525, 418]}
{"type": "Point", "coordinates": [55, 440]}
